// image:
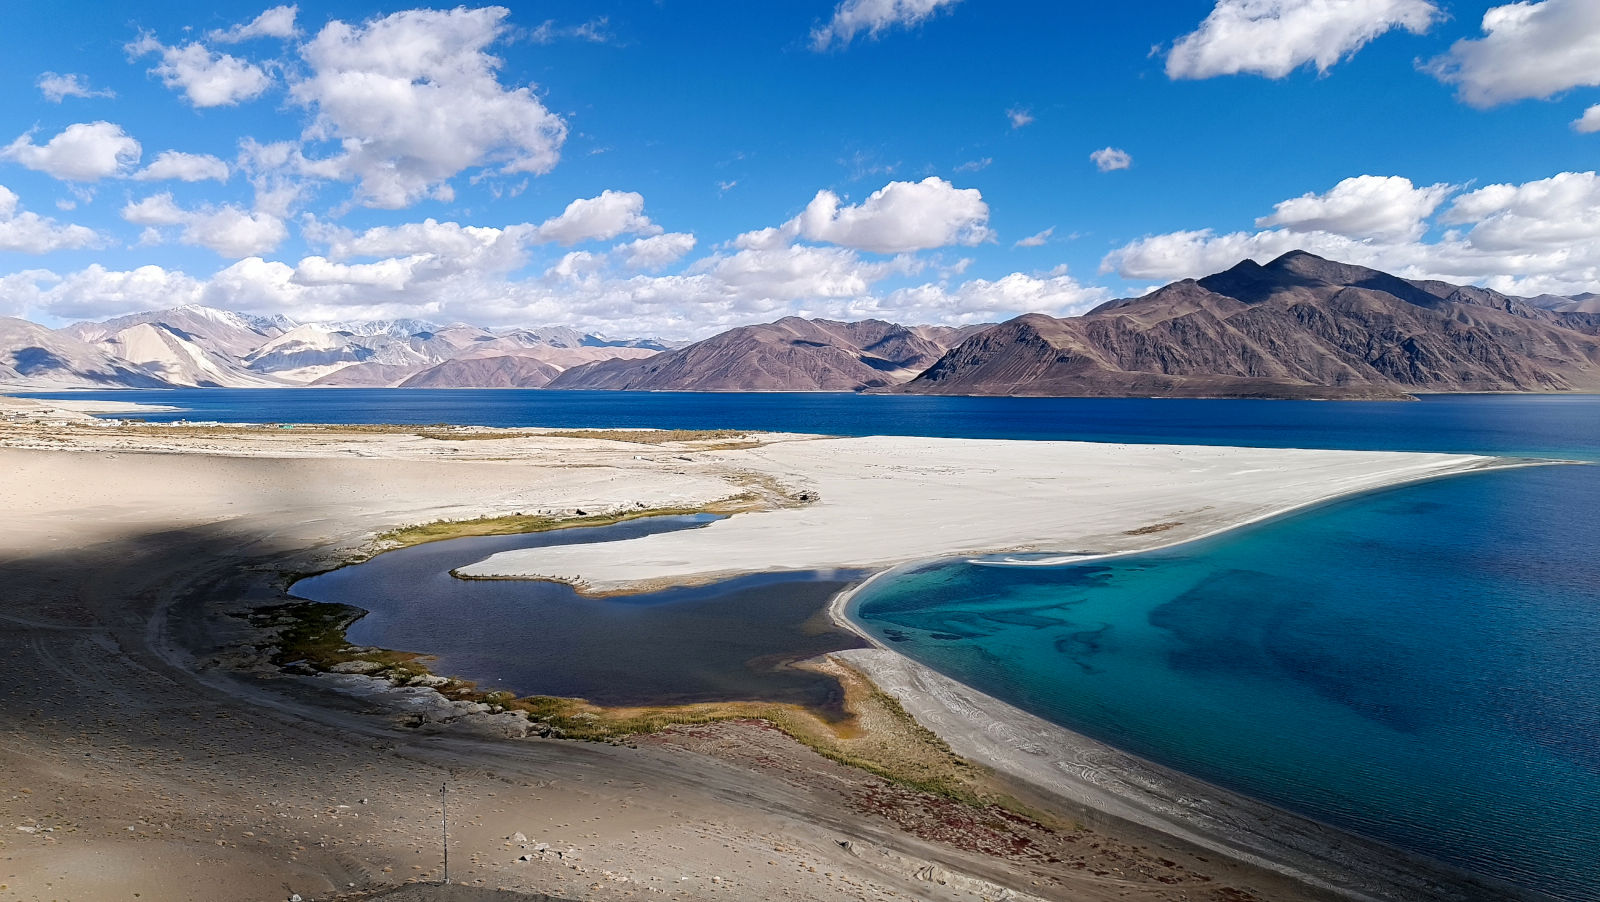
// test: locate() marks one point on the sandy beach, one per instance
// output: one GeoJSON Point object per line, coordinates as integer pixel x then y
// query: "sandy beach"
{"type": "Point", "coordinates": [149, 750]}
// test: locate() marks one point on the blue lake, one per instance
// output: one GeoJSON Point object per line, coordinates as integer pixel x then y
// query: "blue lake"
{"type": "Point", "coordinates": [1419, 665]}
{"type": "Point", "coordinates": [1524, 424]}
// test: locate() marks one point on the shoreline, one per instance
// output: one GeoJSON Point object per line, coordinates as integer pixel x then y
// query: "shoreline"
{"type": "Point", "coordinates": [131, 565]}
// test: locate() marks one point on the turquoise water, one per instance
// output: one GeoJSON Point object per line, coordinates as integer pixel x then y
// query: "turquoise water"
{"type": "Point", "coordinates": [1420, 665]}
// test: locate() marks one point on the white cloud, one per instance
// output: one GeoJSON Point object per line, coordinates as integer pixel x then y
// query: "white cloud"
{"type": "Point", "coordinates": [389, 275]}
{"type": "Point", "coordinates": [233, 232]}
{"type": "Point", "coordinates": [155, 210]}
{"type": "Point", "coordinates": [797, 272]}
{"type": "Point", "coordinates": [600, 218]}
{"type": "Point", "coordinates": [440, 239]}
{"type": "Point", "coordinates": [985, 300]}
{"type": "Point", "coordinates": [899, 217]}
{"type": "Point", "coordinates": [1528, 49]}
{"type": "Point", "coordinates": [1589, 122]}
{"type": "Point", "coordinates": [29, 233]}
{"type": "Point", "coordinates": [1539, 236]}
{"type": "Point", "coordinates": [1191, 254]}
{"type": "Point", "coordinates": [206, 78]}
{"type": "Point", "coordinates": [1110, 159]}
{"type": "Point", "coordinates": [1556, 214]}
{"type": "Point", "coordinates": [977, 165]}
{"type": "Point", "coordinates": [56, 88]}
{"type": "Point", "coordinates": [1037, 240]}
{"type": "Point", "coordinates": [655, 252]}
{"type": "Point", "coordinates": [185, 167]}
{"type": "Point", "coordinates": [595, 31]}
{"type": "Point", "coordinates": [228, 230]}
{"type": "Point", "coordinates": [1276, 37]}
{"type": "Point", "coordinates": [96, 292]}
{"type": "Point", "coordinates": [277, 22]}
{"type": "Point", "coordinates": [413, 99]}
{"type": "Point", "coordinates": [1019, 116]}
{"type": "Point", "coordinates": [83, 152]}
{"type": "Point", "coordinates": [1367, 206]}
{"type": "Point", "coordinates": [873, 17]}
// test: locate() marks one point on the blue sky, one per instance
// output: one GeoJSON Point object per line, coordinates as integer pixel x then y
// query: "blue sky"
{"type": "Point", "coordinates": [675, 167]}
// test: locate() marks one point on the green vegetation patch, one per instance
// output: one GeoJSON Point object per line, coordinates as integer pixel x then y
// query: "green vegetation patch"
{"type": "Point", "coordinates": [517, 524]}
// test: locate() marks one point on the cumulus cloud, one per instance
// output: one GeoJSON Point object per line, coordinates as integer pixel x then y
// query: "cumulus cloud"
{"type": "Point", "coordinates": [83, 152]}
{"type": "Point", "coordinates": [899, 217]}
{"type": "Point", "coordinates": [500, 249]}
{"type": "Point", "coordinates": [986, 300]}
{"type": "Point", "coordinates": [1039, 239]}
{"type": "Point", "coordinates": [95, 292]}
{"type": "Point", "coordinates": [1110, 159]}
{"type": "Point", "coordinates": [872, 17]}
{"type": "Point", "coordinates": [600, 218]}
{"type": "Point", "coordinates": [277, 22]}
{"type": "Point", "coordinates": [207, 78]}
{"type": "Point", "coordinates": [1530, 238]}
{"type": "Point", "coordinates": [1367, 206]}
{"type": "Point", "coordinates": [1276, 37]}
{"type": "Point", "coordinates": [1019, 116]}
{"type": "Point", "coordinates": [413, 98]}
{"type": "Point", "coordinates": [183, 167]}
{"type": "Point", "coordinates": [56, 88]}
{"type": "Point", "coordinates": [227, 229]}
{"type": "Point", "coordinates": [655, 252]}
{"type": "Point", "coordinates": [1589, 122]}
{"type": "Point", "coordinates": [1560, 213]}
{"type": "Point", "coordinates": [29, 233]}
{"type": "Point", "coordinates": [1528, 49]}
{"type": "Point", "coordinates": [155, 210]}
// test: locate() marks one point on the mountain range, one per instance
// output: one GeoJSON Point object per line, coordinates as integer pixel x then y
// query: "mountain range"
{"type": "Point", "coordinates": [792, 354]}
{"type": "Point", "coordinates": [1299, 326]}
{"type": "Point", "coordinates": [197, 346]}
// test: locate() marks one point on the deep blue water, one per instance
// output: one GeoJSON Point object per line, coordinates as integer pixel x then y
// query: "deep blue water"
{"type": "Point", "coordinates": [1525, 424]}
{"type": "Point", "coordinates": [1420, 665]}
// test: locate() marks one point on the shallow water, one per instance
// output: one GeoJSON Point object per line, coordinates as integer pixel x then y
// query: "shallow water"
{"type": "Point", "coordinates": [730, 641]}
{"type": "Point", "coordinates": [1420, 665]}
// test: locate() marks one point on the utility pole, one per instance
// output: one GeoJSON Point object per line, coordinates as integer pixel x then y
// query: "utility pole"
{"type": "Point", "coordinates": [444, 823]}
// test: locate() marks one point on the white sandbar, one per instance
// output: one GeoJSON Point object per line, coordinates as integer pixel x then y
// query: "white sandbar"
{"type": "Point", "coordinates": [886, 500]}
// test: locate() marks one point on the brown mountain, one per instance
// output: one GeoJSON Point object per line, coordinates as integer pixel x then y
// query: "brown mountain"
{"type": "Point", "coordinates": [792, 354]}
{"type": "Point", "coordinates": [505, 371]}
{"type": "Point", "coordinates": [1298, 327]}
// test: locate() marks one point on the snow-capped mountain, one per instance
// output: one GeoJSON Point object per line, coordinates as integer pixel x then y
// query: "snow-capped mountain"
{"type": "Point", "coordinates": [200, 346]}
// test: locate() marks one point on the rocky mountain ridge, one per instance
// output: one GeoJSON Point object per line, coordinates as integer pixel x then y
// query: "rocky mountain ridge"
{"type": "Point", "coordinates": [792, 354]}
{"type": "Point", "coordinates": [1298, 327]}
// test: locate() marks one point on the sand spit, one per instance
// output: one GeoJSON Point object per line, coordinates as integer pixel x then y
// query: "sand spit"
{"type": "Point", "coordinates": [886, 500]}
{"type": "Point", "coordinates": [146, 749]}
